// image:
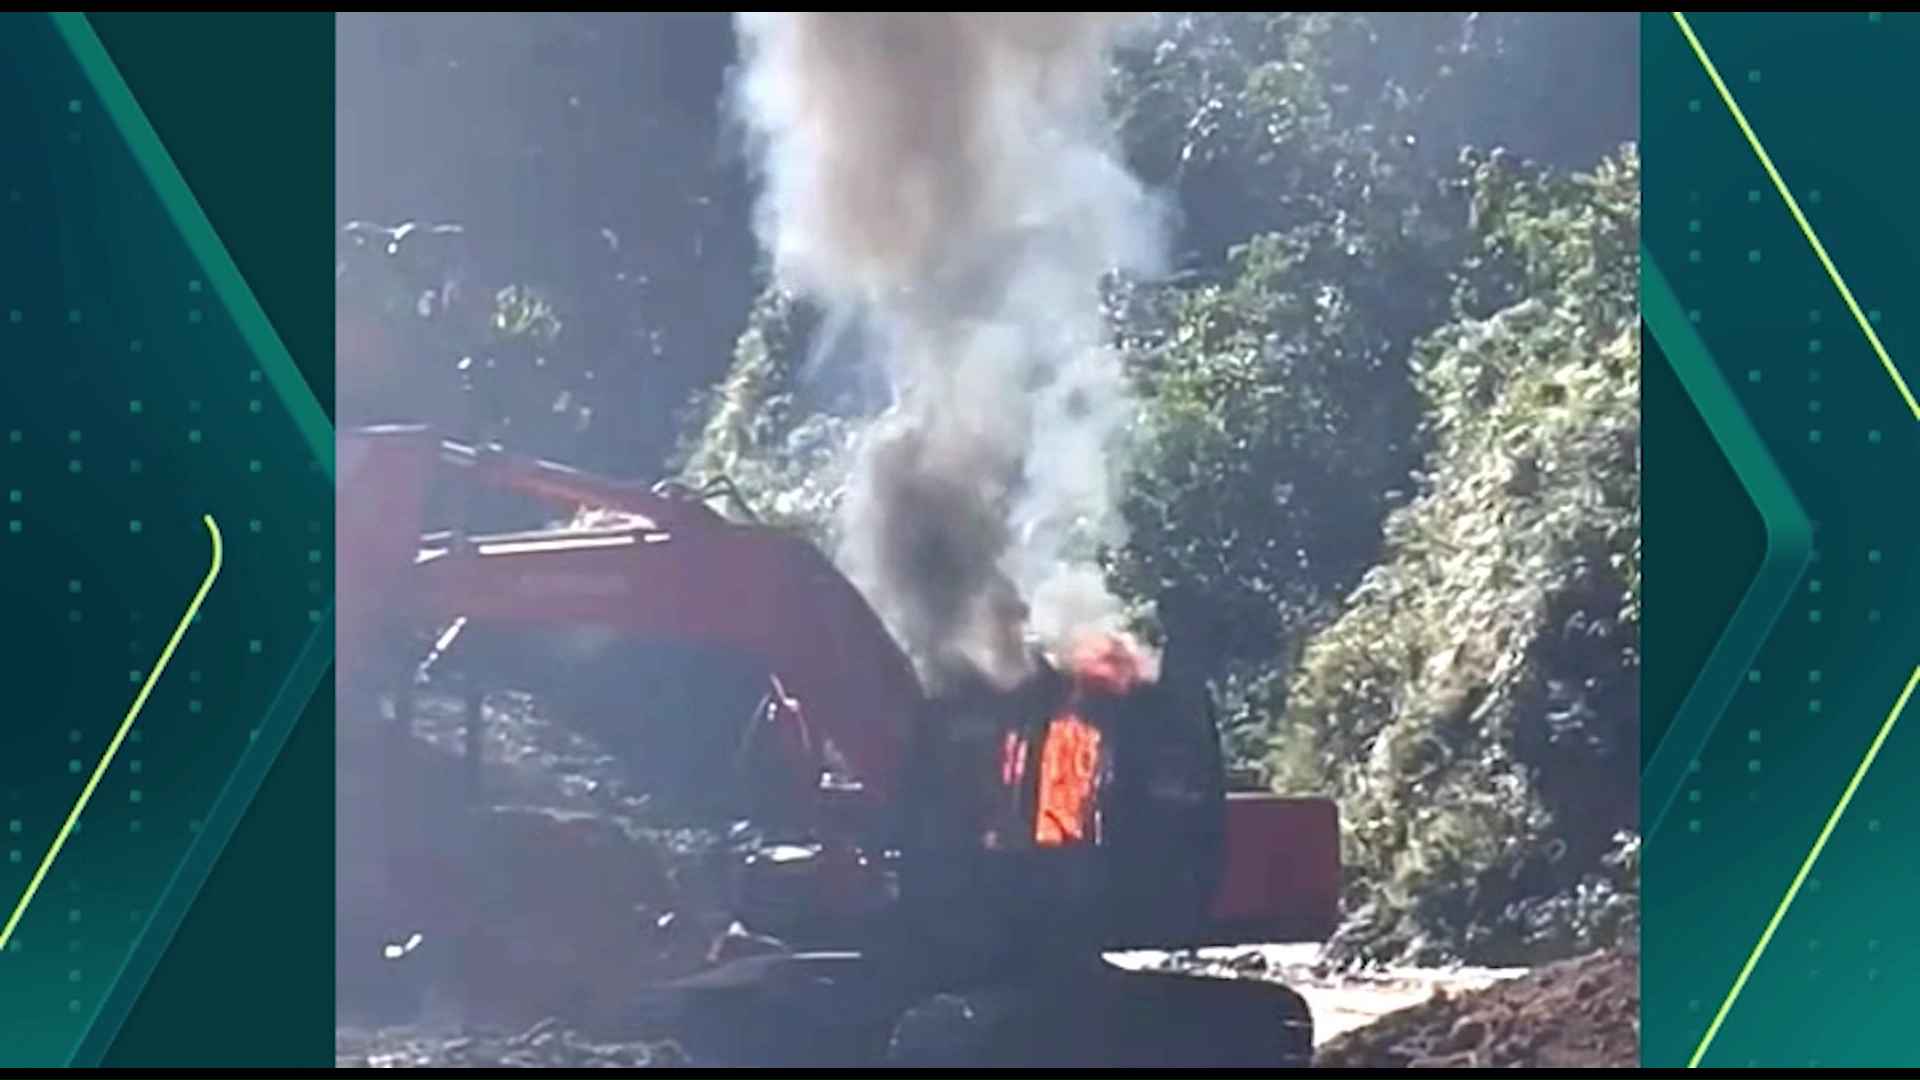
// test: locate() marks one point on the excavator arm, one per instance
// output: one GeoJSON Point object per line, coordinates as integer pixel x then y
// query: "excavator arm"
{"type": "Point", "coordinates": [666, 568]}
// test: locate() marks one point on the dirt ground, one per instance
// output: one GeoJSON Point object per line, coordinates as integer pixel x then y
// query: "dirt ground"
{"type": "Point", "coordinates": [548, 1045]}
{"type": "Point", "coordinates": [1577, 1014]}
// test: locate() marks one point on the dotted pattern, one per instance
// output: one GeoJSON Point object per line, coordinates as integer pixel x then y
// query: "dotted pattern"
{"type": "Point", "coordinates": [130, 407]}
{"type": "Point", "coordinates": [1831, 988]}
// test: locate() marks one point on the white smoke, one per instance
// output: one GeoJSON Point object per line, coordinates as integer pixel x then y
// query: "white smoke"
{"type": "Point", "coordinates": [951, 176]}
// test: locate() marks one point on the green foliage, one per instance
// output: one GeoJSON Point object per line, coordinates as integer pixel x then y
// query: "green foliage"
{"type": "Point", "coordinates": [1277, 430]}
{"type": "Point", "coordinates": [434, 351]}
{"type": "Point", "coordinates": [785, 461]}
{"type": "Point", "coordinates": [1475, 707]}
{"type": "Point", "coordinates": [521, 313]}
{"type": "Point", "coordinates": [1283, 420]}
{"type": "Point", "coordinates": [1405, 313]}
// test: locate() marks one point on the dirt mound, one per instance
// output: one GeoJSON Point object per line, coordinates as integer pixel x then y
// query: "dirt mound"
{"type": "Point", "coordinates": [548, 1045]}
{"type": "Point", "coordinates": [1578, 1014]}
{"type": "Point", "coordinates": [540, 901]}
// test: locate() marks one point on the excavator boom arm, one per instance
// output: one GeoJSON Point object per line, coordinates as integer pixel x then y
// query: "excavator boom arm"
{"type": "Point", "coordinates": [671, 570]}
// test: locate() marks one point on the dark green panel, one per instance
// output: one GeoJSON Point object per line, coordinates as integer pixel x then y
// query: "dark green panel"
{"type": "Point", "coordinates": [244, 103]}
{"type": "Point", "coordinates": [269, 943]}
{"type": "Point", "coordinates": [1703, 542]}
{"type": "Point", "coordinates": [243, 106]}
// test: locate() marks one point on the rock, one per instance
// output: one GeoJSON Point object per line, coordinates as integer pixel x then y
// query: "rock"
{"type": "Point", "coordinates": [1463, 1060]}
{"type": "Point", "coordinates": [1248, 963]}
{"type": "Point", "coordinates": [1468, 1033]}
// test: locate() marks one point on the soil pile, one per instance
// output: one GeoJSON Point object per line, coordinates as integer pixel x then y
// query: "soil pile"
{"type": "Point", "coordinates": [540, 899]}
{"type": "Point", "coordinates": [548, 1045]}
{"type": "Point", "coordinates": [1577, 1014]}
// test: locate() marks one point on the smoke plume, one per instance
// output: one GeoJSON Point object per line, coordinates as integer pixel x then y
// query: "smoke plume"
{"type": "Point", "coordinates": [950, 176]}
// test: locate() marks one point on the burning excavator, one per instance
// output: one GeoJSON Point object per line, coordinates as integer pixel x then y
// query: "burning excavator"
{"type": "Point", "coordinates": [943, 873]}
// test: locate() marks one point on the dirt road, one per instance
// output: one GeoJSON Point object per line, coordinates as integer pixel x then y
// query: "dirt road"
{"type": "Point", "coordinates": [1341, 1002]}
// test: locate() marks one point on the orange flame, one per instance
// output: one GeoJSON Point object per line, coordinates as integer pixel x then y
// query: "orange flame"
{"type": "Point", "coordinates": [1069, 760]}
{"type": "Point", "coordinates": [1013, 758]}
{"type": "Point", "coordinates": [1070, 756]}
{"type": "Point", "coordinates": [1110, 663]}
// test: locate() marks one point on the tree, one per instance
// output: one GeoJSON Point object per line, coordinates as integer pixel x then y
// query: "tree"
{"type": "Point", "coordinates": [1476, 705]}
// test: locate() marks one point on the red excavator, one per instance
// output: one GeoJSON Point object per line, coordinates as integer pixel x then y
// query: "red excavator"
{"type": "Point", "coordinates": [947, 873]}
{"type": "Point", "coordinates": [944, 875]}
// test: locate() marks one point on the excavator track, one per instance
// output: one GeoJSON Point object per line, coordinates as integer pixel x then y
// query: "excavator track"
{"type": "Point", "coordinates": [1108, 1018]}
{"type": "Point", "coordinates": [805, 1013]}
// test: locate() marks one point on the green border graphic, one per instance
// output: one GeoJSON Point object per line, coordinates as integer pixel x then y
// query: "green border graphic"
{"type": "Point", "coordinates": [216, 556]}
{"type": "Point", "coordinates": [1793, 207]}
{"type": "Point", "coordinates": [261, 338]}
{"type": "Point", "coordinates": [1789, 547]}
{"type": "Point", "coordinates": [1777, 874]}
{"type": "Point", "coordinates": [147, 394]}
{"type": "Point", "coordinates": [1802, 875]}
